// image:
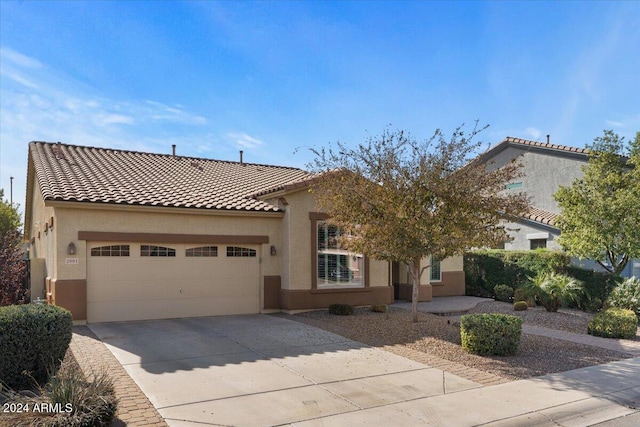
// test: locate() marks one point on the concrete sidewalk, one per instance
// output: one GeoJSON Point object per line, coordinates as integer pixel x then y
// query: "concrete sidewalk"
{"type": "Point", "coordinates": [604, 395]}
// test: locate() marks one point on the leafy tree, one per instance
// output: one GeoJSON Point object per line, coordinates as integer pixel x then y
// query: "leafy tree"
{"type": "Point", "coordinates": [9, 216]}
{"type": "Point", "coordinates": [601, 211]}
{"type": "Point", "coordinates": [402, 200]}
{"type": "Point", "coordinates": [13, 289]}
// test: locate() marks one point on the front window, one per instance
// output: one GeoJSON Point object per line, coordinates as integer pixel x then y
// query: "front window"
{"type": "Point", "coordinates": [336, 267]}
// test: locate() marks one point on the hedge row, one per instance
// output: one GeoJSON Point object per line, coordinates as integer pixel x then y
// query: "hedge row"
{"type": "Point", "coordinates": [486, 269]}
{"type": "Point", "coordinates": [34, 339]}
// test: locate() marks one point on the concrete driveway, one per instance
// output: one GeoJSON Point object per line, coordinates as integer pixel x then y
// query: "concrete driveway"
{"type": "Point", "coordinates": [260, 370]}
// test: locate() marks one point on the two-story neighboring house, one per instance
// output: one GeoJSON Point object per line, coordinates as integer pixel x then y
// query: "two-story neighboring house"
{"type": "Point", "coordinates": [545, 168]}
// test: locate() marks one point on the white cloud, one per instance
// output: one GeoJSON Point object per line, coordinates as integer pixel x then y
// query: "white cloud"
{"type": "Point", "coordinates": [244, 140]}
{"type": "Point", "coordinates": [40, 104]}
{"type": "Point", "coordinates": [533, 132]}
{"type": "Point", "coordinates": [117, 119]}
{"type": "Point", "coordinates": [19, 59]}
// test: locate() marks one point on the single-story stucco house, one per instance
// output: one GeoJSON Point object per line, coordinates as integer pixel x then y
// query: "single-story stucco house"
{"type": "Point", "coordinates": [119, 235]}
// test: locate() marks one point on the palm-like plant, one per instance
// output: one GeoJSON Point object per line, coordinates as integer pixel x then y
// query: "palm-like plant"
{"type": "Point", "coordinates": [552, 289]}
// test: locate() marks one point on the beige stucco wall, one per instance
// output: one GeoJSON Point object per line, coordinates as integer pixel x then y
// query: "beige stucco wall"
{"type": "Point", "coordinates": [448, 264]}
{"type": "Point", "coordinates": [44, 242]}
{"type": "Point", "coordinates": [158, 220]}
{"type": "Point", "coordinates": [296, 265]}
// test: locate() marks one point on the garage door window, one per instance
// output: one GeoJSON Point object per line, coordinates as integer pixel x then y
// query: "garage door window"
{"type": "Point", "coordinates": [151, 250]}
{"type": "Point", "coordinates": [203, 251]}
{"type": "Point", "coordinates": [237, 251]}
{"type": "Point", "coordinates": [113, 250]}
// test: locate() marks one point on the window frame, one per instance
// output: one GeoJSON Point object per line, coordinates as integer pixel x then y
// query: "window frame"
{"type": "Point", "coordinates": [432, 269]}
{"type": "Point", "coordinates": [201, 252]}
{"type": "Point", "coordinates": [112, 251]}
{"type": "Point", "coordinates": [537, 244]}
{"type": "Point", "coordinates": [315, 218]}
{"type": "Point", "coordinates": [156, 251]}
{"type": "Point", "coordinates": [241, 252]}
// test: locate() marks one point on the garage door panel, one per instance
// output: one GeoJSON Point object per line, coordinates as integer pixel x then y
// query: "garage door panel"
{"type": "Point", "coordinates": [136, 288]}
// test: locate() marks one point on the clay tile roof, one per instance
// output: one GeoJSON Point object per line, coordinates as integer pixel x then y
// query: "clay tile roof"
{"type": "Point", "coordinates": [541, 216]}
{"type": "Point", "coordinates": [101, 175]}
{"type": "Point", "coordinates": [557, 147]}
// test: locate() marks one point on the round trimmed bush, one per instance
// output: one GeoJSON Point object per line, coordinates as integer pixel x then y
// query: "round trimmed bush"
{"type": "Point", "coordinates": [379, 308]}
{"type": "Point", "coordinates": [614, 323]}
{"type": "Point", "coordinates": [520, 306]}
{"type": "Point", "coordinates": [341, 309]}
{"type": "Point", "coordinates": [33, 338]}
{"type": "Point", "coordinates": [503, 292]}
{"type": "Point", "coordinates": [490, 333]}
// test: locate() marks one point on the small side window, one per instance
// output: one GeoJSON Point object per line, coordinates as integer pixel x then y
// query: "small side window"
{"type": "Point", "coordinates": [436, 271]}
{"type": "Point", "coordinates": [237, 251]}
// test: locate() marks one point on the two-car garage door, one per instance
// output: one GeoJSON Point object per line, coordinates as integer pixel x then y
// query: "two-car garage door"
{"type": "Point", "coordinates": [133, 281]}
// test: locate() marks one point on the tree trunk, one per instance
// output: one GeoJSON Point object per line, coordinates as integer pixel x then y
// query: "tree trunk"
{"type": "Point", "coordinates": [414, 269]}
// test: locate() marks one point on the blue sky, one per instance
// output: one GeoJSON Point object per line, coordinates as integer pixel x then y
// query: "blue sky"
{"type": "Point", "coordinates": [273, 78]}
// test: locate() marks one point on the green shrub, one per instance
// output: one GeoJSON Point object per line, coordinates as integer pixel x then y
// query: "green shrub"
{"type": "Point", "coordinates": [33, 338]}
{"type": "Point", "coordinates": [596, 285]}
{"type": "Point", "coordinates": [79, 402]}
{"type": "Point", "coordinates": [341, 309]}
{"type": "Point", "coordinates": [379, 308]}
{"type": "Point", "coordinates": [490, 334]}
{"type": "Point", "coordinates": [503, 293]}
{"type": "Point", "coordinates": [614, 323]}
{"type": "Point", "coordinates": [552, 290]}
{"type": "Point", "coordinates": [520, 305]}
{"type": "Point", "coordinates": [626, 295]}
{"type": "Point", "coordinates": [520, 294]}
{"type": "Point", "coordinates": [485, 269]}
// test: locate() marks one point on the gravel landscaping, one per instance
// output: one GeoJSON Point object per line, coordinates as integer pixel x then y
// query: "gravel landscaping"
{"type": "Point", "coordinates": [439, 336]}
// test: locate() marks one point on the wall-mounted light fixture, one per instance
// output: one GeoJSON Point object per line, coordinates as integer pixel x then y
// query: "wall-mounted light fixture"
{"type": "Point", "coordinates": [71, 249]}
{"type": "Point", "coordinates": [273, 250]}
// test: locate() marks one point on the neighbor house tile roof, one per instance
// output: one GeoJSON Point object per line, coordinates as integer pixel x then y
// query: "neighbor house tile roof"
{"type": "Point", "coordinates": [100, 175]}
{"type": "Point", "coordinates": [541, 216]}
{"type": "Point", "coordinates": [546, 145]}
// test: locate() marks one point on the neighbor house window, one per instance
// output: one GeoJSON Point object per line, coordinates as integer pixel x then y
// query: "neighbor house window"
{"type": "Point", "coordinates": [203, 251]}
{"type": "Point", "coordinates": [436, 271]}
{"type": "Point", "coordinates": [336, 267]}
{"type": "Point", "coordinates": [237, 251]}
{"type": "Point", "coordinates": [152, 250]}
{"type": "Point", "coordinates": [113, 250]}
{"type": "Point", "coordinates": [514, 185]}
{"type": "Point", "coordinates": [538, 243]}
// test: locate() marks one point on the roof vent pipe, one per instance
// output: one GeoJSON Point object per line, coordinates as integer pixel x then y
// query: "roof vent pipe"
{"type": "Point", "coordinates": [548, 136]}
{"type": "Point", "coordinates": [173, 147]}
{"type": "Point", "coordinates": [241, 161]}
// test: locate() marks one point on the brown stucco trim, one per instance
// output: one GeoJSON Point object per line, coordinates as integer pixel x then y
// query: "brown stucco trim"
{"type": "Point", "coordinates": [452, 284]}
{"type": "Point", "coordinates": [272, 286]}
{"type": "Point", "coordinates": [69, 294]}
{"type": "Point", "coordinates": [405, 292]}
{"type": "Point", "coordinates": [318, 216]}
{"type": "Point", "coordinates": [107, 236]}
{"type": "Point", "coordinates": [312, 299]}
